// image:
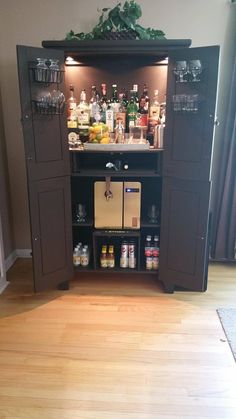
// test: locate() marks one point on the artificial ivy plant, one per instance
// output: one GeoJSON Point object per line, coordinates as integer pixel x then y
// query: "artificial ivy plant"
{"type": "Point", "coordinates": [118, 20]}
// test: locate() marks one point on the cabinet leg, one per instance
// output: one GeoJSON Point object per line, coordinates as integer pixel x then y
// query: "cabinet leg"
{"type": "Point", "coordinates": [64, 286]}
{"type": "Point", "coordinates": [168, 288]}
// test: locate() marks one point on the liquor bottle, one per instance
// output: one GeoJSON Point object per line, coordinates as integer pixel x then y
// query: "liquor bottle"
{"type": "Point", "coordinates": [71, 109]}
{"type": "Point", "coordinates": [145, 96]}
{"type": "Point", "coordinates": [154, 110]}
{"type": "Point", "coordinates": [121, 114]}
{"type": "Point", "coordinates": [119, 132]}
{"type": "Point", "coordinates": [95, 109]}
{"type": "Point", "coordinates": [135, 90]}
{"type": "Point", "coordinates": [132, 255]}
{"type": "Point", "coordinates": [142, 113]}
{"type": "Point", "coordinates": [132, 109]}
{"type": "Point", "coordinates": [110, 117]}
{"type": "Point", "coordinates": [103, 102]}
{"type": "Point", "coordinates": [111, 257]}
{"type": "Point", "coordinates": [103, 257]}
{"type": "Point", "coordinates": [83, 110]}
{"type": "Point", "coordinates": [114, 99]}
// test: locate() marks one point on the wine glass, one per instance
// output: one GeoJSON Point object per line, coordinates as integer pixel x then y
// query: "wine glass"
{"type": "Point", "coordinates": [57, 101]}
{"type": "Point", "coordinates": [41, 70]}
{"type": "Point", "coordinates": [195, 68]}
{"type": "Point", "coordinates": [180, 69]}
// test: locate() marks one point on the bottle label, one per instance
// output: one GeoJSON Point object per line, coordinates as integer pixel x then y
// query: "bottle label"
{"type": "Point", "coordinates": [110, 119]}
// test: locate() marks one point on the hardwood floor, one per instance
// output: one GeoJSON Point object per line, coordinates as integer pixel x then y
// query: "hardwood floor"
{"type": "Point", "coordinates": [115, 347]}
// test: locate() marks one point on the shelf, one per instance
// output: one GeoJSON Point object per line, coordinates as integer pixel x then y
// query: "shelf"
{"type": "Point", "coordinates": [114, 271]}
{"type": "Point", "coordinates": [116, 233]}
{"type": "Point", "coordinates": [150, 150]}
{"type": "Point", "coordinates": [116, 174]}
{"type": "Point", "coordinates": [147, 224]}
{"type": "Point", "coordinates": [156, 48]}
{"type": "Point", "coordinates": [88, 223]}
{"type": "Point", "coordinates": [83, 268]}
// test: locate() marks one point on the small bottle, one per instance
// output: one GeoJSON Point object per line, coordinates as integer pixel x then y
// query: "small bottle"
{"type": "Point", "coordinates": [84, 258]}
{"type": "Point", "coordinates": [76, 256]}
{"type": "Point", "coordinates": [111, 257]}
{"type": "Point", "coordinates": [71, 109]}
{"type": "Point", "coordinates": [124, 254]}
{"type": "Point", "coordinates": [135, 90]}
{"type": "Point", "coordinates": [103, 257]}
{"type": "Point", "coordinates": [155, 257]}
{"type": "Point", "coordinates": [132, 255]}
{"type": "Point", "coordinates": [148, 253]}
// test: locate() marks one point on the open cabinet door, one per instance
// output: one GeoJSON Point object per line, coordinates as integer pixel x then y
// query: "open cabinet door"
{"type": "Point", "coordinates": [190, 114]}
{"type": "Point", "coordinates": [48, 169]}
{"type": "Point", "coordinates": [190, 122]}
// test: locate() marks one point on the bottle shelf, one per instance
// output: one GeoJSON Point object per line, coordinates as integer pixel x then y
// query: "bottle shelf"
{"type": "Point", "coordinates": [87, 223]}
{"type": "Point", "coordinates": [116, 174]}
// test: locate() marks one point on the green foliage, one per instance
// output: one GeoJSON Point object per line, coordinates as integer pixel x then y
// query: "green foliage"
{"type": "Point", "coordinates": [118, 20]}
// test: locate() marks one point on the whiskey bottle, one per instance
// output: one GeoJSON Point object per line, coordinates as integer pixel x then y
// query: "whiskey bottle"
{"type": "Point", "coordinates": [71, 109]}
{"type": "Point", "coordinates": [103, 102]}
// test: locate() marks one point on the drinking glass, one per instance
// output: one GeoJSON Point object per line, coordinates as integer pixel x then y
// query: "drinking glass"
{"type": "Point", "coordinates": [153, 214]}
{"type": "Point", "coordinates": [54, 70]}
{"type": "Point", "coordinates": [80, 213]}
{"type": "Point", "coordinates": [195, 68]}
{"type": "Point", "coordinates": [41, 70]}
{"type": "Point", "coordinates": [180, 69]}
{"type": "Point", "coordinates": [57, 101]}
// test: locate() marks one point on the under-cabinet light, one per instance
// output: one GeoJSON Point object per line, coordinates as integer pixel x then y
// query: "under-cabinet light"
{"type": "Point", "coordinates": [71, 61]}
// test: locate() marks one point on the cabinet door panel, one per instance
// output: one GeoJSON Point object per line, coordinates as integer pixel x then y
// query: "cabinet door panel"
{"type": "Point", "coordinates": [50, 212]}
{"type": "Point", "coordinates": [184, 233]}
{"type": "Point", "coordinates": [189, 134]}
{"type": "Point", "coordinates": [45, 136]}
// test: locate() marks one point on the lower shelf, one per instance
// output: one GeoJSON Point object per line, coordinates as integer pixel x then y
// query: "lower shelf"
{"type": "Point", "coordinates": [114, 270]}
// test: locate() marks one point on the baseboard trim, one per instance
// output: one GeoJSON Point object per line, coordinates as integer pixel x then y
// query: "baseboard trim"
{"type": "Point", "coordinates": [24, 253]}
{"type": "Point", "coordinates": [3, 284]}
{"type": "Point", "coordinates": [18, 253]}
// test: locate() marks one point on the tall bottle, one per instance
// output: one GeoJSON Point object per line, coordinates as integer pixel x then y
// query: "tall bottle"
{"type": "Point", "coordinates": [136, 96]}
{"type": "Point", "coordinates": [71, 109]}
{"type": "Point", "coordinates": [103, 102]}
{"type": "Point", "coordinates": [114, 99]}
{"type": "Point", "coordinates": [83, 110]}
{"type": "Point", "coordinates": [154, 110]}
{"type": "Point", "coordinates": [154, 119]}
{"type": "Point", "coordinates": [145, 97]}
{"type": "Point", "coordinates": [156, 251]}
{"type": "Point", "coordinates": [132, 110]}
{"type": "Point", "coordinates": [121, 113]}
{"type": "Point", "coordinates": [111, 257]}
{"type": "Point", "coordinates": [142, 113]}
{"type": "Point", "coordinates": [95, 109]}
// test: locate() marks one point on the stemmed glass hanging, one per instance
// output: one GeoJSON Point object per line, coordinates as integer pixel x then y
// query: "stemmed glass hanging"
{"type": "Point", "coordinates": [195, 68]}
{"type": "Point", "coordinates": [181, 69]}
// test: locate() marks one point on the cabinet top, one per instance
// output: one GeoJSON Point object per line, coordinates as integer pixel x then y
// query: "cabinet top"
{"type": "Point", "coordinates": [158, 48]}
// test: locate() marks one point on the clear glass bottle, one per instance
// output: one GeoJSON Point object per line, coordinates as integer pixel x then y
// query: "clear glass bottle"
{"type": "Point", "coordinates": [103, 256]}
{"type": "Point", "coordinates": [83, 110]}
{"type": "Point", "coordinates": [121, 114]}
{"type": "Point", "coordinates": [119, 132]}
{"type": "Point", "coordinates": [84, 258]}
{"type": "Point", "coordinates": [72, 120]}
{"type": "Point", "coordinates": [111, 257]}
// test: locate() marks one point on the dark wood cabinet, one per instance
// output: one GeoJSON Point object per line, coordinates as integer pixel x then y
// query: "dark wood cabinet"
{"type": "Point", "coordinates": [176, 179]}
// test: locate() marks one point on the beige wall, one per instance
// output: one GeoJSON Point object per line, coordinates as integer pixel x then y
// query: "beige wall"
{"type": "Point", "coordinates": [29, 22]}
{"type": "Point", "coordinates": [5, 207]}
